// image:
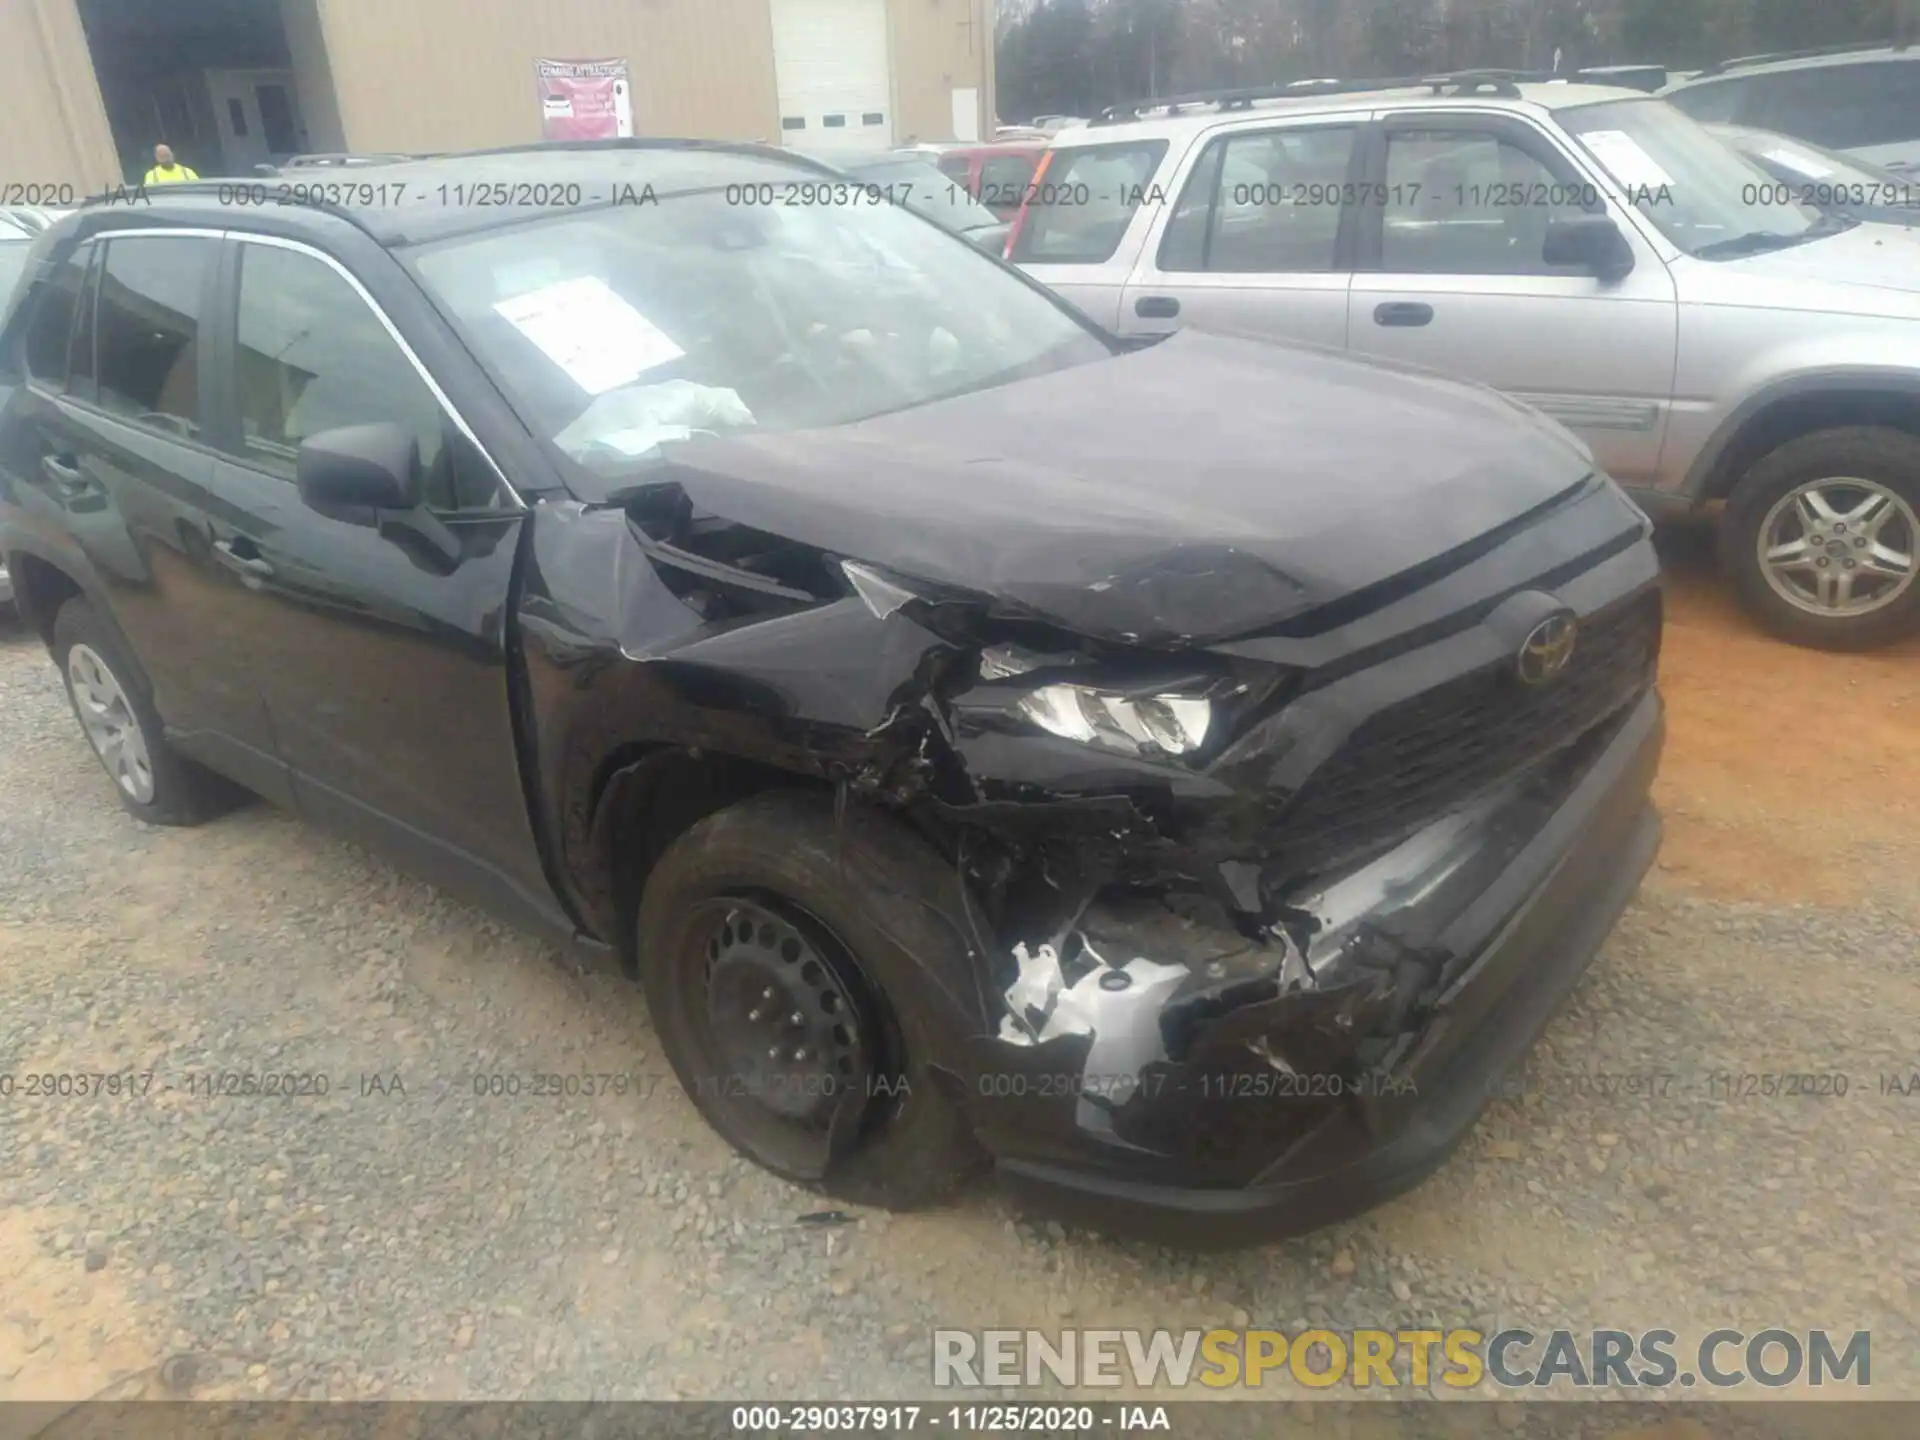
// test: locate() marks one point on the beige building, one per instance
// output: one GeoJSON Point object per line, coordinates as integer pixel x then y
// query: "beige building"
{"type": "Point", "coordinates": [88, 86]}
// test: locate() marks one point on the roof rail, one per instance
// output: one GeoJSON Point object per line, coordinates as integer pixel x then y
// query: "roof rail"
{"type": "Point", "coordinates": [1471, 82]}
{"type": "Point", "coordinates": [1504, 83]}
{"type": "Point", "coordinates": [1245, 97]}
{"type": "Point", "coordinates": [233, 190]}
{"type": "Point", "coordinates": [1857, 46]}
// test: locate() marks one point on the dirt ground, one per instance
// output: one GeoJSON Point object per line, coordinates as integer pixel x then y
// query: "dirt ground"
{"type": "Point", "coordinates": [428, 1245]}
{"type": "Point", "coordinates": [1784, 767]}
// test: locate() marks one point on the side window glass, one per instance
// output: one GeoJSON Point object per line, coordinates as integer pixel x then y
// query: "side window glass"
{"type": "Point", "coordinates": [1467, 202]}
{"type": "Point", "coordinates": [1846, 105]}
{"type": "Point", "coordinates": [1184, 246]}
{"type": "Point", "coordinates": [1003, 179]}
{"type": "Point", "coordinates": [80, 351]}
{"type": "Point", "coordinates": [311, 356]}
{"type": "Point", "coordinates": [1715, 104]}
{"type": "Point", "coordinates": [147, 328]}
{"type": "Point", "coordinates": [1804, 103]}
{"type": "Point", "coordinates": [1277, 205]}
{"type": "Point", "coordinates": [957, 168]}
{"type": "Point", "coordinates": [50, 327]}
{"type": "Point", "coordinates": [1084, 201]}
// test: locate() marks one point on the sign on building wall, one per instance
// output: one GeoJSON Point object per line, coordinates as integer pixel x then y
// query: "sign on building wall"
{"type": "Point", "coordinates": [584, 99]}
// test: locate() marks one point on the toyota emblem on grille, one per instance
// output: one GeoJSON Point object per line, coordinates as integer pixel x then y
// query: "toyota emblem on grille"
{"type": "Point", "coordinates": [1548, 650]}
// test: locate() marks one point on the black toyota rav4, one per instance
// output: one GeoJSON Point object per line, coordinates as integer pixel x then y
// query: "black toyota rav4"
{"type": "Point", "coordinates": [1184, 779]}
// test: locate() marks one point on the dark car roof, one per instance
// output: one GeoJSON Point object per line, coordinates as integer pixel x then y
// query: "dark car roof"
{"type": "Point", "coordinates": [411, 201]}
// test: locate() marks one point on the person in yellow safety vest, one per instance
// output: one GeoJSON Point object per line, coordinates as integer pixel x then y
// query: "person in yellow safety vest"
{"type": "Point", "coordinates": [164, 171]}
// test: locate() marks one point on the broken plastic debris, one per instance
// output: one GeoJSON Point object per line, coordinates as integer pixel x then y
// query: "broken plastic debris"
{"type": "Point", "coordinates": [1262, 1046]}
{"type": "Point", "coordinates": [1035, 990]}
{"type": "Point", "coordinates": [998, 662]}
{"type": "Point", "coordinates": [882, 595]}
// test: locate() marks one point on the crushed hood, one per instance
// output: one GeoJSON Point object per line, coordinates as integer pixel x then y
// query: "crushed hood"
{"type": "Point", "coordinates": [1202, 488]}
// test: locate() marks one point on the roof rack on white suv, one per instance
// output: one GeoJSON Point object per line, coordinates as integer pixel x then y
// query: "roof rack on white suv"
{"type": "Point", "coordinates": [1464, 82]}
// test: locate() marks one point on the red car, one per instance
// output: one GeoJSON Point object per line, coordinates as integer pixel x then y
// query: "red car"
{"type": "Point", "coordinates": [996, 174]}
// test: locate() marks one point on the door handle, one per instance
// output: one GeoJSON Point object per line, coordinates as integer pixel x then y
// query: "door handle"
{"type": "Point", "coordinates": [1156, 307]}
{"type": "Point", "coordinates": [1403, 313]}
{"type": "Point", "coordinates": [249, 567]}
{"type": "Point", "coordinates": [65, 474]}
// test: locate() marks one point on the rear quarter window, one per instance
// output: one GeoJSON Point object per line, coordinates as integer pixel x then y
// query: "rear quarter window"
{"type": "Point", "coordinates": [1081, 204]}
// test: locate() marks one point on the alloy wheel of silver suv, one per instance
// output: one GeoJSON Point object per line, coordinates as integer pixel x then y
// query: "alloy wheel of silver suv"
{"type": "Point", "coordinates": [1822, 538]}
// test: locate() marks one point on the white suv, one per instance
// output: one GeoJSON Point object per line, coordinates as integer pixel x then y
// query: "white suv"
{"type": "Point", "coordinates": [1864, 100]}
{"type": "Point", "coordinates": [1588, 250]}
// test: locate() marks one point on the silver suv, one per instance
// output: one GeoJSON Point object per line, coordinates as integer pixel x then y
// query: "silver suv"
{"type": "Point", "coordinates": [1588, 250]}
{"type": "Point", "coordinates": [1863, 100]}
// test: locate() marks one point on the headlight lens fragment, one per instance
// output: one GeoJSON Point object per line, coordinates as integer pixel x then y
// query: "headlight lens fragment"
{"type": "Point", "coordinates": [1171, 724]}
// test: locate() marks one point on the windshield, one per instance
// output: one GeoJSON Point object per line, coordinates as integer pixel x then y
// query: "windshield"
{"type": "Point", "coordinates": [617, 330]}
{"type": "Point", "coordinates": [923, 187]}
{"type": "Point", "coordinates": [1702, 195]}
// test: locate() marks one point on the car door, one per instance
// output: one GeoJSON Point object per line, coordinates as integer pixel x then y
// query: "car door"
{"type": "Point", "coordinates": [123, 453]}
{"type": "Point", "coordinates": [387, 678]}
{"type": "Point", "coordinates": [1452, 276]}
{"type": "Point", "coordinates": [1259, 240]}
{"type": "Point", "coordinates": [1088, 210]}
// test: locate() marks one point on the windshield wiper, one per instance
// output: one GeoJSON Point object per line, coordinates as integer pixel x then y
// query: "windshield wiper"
{"type": "Point", "coordinates": [1760, 242]}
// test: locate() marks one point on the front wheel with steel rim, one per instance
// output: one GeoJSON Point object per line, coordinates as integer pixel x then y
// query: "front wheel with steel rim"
{"type": "Point", "coordinates": [813, 996]}
{"type": "Point", "coordinates": [107, 716]}
{"type": "Point", "coordinates": [1823, 539]}
{"type": "Point", "coordinates": [110, 699]}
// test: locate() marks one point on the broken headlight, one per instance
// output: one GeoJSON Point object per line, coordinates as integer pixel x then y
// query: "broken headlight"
{"type": "Point", "coordinates": [1171, 724]}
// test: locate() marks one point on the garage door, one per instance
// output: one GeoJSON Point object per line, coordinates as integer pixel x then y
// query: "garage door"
{"type": "Point", "coordinates": [830, 61]}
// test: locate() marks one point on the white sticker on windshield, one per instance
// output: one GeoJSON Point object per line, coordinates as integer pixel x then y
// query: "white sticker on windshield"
{"type": "Point", "coordinates": [1800, 163]}
{"type": "Point", "coordinates": [1625, 160]}
{"type": "Point", "coordinates": [600, 340]}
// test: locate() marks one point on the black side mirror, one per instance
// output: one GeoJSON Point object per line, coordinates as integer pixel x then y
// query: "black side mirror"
{"type": "Point", "coordinates": [1592, 243]}
{"type": "Point", "coordinates": [360, 467]}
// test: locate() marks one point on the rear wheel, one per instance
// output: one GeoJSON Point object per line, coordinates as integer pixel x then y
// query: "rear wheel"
{"type": "Point", "coordinates": [1823, 539]}
{"type": "Point", "coordinates": [812, 992]}
{"type": "Point", "coordinates": [109, 697]}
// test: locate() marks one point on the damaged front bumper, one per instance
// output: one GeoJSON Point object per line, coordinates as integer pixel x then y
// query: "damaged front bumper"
{"type": "Point", "coordinates": [1185, 1084]}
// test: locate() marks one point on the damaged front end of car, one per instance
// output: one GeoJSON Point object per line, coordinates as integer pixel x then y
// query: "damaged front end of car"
{"type": "Point", "coordinates": [1237, 902]}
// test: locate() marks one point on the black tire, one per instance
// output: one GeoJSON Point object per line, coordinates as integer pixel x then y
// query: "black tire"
{"type": "Point", "coordinates": [182, 793]}
{"type": "Point", "coordinates": [1890, 458]}
{"type": "Point", "coordinates": [891, 906]}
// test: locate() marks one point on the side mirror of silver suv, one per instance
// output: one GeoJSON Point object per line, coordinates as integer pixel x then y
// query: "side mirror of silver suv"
{"type": "Point", "coordinates": [1592, 242]}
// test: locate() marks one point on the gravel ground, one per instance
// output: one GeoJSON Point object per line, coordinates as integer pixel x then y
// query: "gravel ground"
{"type": "Point", "coordinates": [399, 1236]}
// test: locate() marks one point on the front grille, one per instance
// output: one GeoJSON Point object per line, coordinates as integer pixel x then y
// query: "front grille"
{"type": "Point", "coordinates": [1414, 761]}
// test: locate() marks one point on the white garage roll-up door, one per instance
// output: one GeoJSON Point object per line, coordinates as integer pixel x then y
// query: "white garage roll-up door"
{"type": "Point", "coordinates": [830, 62]}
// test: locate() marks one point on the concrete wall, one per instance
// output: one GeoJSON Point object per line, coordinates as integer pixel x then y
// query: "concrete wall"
{"type": "Point", "coordinates": [312, 75]}
{"type": "Point", "coordinates": [939, 46]}
{"type": "Point", "coordinates": [53, 127]}
{"type": "Point", "coordinates": [458, 74]}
